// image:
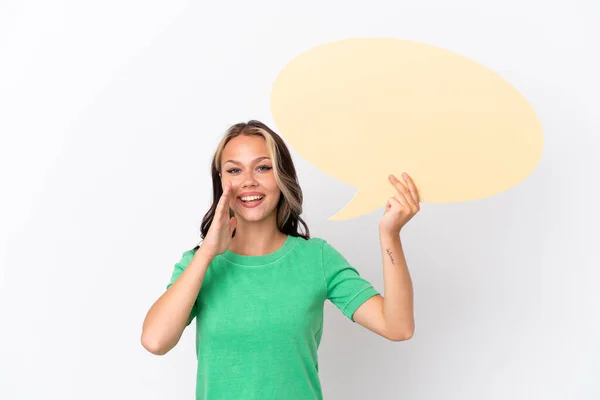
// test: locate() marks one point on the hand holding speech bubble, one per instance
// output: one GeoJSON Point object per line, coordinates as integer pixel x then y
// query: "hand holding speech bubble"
{"type": "Point", "coordinates": [361, 109]}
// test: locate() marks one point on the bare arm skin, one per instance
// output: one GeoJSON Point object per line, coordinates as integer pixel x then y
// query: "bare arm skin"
{"type": "Point", "coordinates": [168, 317]}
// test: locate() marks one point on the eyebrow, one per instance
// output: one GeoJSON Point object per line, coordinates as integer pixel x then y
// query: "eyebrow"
{"type": "Point", "coordinates": [239, 163]}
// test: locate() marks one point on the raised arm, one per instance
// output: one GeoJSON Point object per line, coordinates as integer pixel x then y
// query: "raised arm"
{"type": "Point", "coordinates": [170, 314]}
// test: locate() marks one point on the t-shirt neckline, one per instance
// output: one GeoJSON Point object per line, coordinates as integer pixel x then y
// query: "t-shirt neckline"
{"type": "Point", "coordinates": [255, 261]}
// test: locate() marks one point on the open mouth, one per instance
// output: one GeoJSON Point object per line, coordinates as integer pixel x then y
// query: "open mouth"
{"type": "Point", "coordinates": [251, 201]}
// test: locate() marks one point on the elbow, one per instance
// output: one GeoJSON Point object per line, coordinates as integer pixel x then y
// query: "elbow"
{"type": "Point", "coordinates": [153, 345]}
{"type": "Point", "coordinates": [402, 335]}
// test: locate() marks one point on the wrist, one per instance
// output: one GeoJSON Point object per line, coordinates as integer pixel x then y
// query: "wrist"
{"type": "Point", "coordinates": [389, 233]}
{"type": "Point", "coordinates": [206, 253]}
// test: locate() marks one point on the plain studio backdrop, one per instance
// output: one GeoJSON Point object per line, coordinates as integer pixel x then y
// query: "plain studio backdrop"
{"type": "Point", "coordinates": [110, 112]}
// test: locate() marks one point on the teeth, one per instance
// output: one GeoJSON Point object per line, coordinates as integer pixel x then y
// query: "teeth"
{"type": "Point", "coordinates": [250, 198]}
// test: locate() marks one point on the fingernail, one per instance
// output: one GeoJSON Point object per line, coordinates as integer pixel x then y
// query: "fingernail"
{"type": "Point", "coordinates": [392, 177]}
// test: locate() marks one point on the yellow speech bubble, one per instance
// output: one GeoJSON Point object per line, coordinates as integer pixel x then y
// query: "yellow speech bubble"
{"type": "Point", "coordinates": [360, 109]}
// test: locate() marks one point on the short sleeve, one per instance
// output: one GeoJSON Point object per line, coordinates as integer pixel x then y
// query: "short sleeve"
{"type": "Point", "coordinates": [346, 289]}
{"type": "Point", "coordinates": [177, 271]}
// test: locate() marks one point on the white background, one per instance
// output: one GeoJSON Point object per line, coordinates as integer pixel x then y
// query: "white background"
{"type": "Point", "coordinates": [110, 112]}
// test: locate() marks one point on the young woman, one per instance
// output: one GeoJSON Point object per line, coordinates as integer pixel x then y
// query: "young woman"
{"type": "Point", "coordinates": [257, 286]}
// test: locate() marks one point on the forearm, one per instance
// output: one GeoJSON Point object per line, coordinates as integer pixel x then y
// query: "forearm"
{"type": "Point", "coordinates": [398, 308]}
{"type": "Point", "coordinates": [168, 316]}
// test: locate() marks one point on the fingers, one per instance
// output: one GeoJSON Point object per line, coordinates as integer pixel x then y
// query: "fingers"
{"type": "Point", "coordinates": [412, 188]}
{"type": "Point", "coordinates": [223, 204]}
{"type": "Point", "coordinates": [393, 201]}
{"type": "Point", "coordinates": [400, 198]}
{"type": "Point", "coordinates": [405, 195]}
{"type": "Point", "coordinates": [232, 224]}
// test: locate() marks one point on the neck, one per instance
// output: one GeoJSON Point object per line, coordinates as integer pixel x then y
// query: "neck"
{"type": "Point", "coordinates": [256, 239]}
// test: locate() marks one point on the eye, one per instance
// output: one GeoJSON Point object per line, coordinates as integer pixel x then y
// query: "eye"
{"type": "Point", "coordinates": [262, 167]}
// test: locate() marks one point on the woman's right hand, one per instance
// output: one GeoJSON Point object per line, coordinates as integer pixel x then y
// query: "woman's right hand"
{"type": "Point", "coordinates": [219, 234]}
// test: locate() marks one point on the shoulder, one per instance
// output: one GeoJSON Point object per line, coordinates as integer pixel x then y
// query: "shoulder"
{"type": "Point", "coordinates": [306, 250]}
{"type": "Point", "coordinates": [317, 243]}
{"type": "Point", "coordinates": [314, 243]}
{"type": "Point", "coordinates": [317, 248]}
{"type": "Point", "coordinates": [320, 243]}
{"type": "Point", "coordinates": [187, 256]}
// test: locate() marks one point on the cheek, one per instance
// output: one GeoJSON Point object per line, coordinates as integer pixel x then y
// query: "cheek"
{"type": "Point", "coordinates": [273, 189]}
{"type": "Point", "coordinates": [271, 184]}
{"type": "Point", "coordinates": [275, 195]}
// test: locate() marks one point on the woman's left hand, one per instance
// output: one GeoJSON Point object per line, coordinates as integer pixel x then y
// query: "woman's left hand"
{"type": "Point", "coordinates": [401, 207]}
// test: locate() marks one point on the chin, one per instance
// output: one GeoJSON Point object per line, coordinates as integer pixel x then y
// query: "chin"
{"type": "Point", "coordinates": [253, 215]}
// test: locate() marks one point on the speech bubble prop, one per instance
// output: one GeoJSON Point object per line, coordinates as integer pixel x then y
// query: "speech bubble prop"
{"type": "Point", "coordinates": [361, 109]}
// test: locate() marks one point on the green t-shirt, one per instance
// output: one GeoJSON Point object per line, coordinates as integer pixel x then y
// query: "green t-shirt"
{"type": "Point", "coordinates": [259, 319]}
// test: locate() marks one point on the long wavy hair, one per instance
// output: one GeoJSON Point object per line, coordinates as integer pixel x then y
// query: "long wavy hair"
{"type": "Point", "coordinates": [289, 206]}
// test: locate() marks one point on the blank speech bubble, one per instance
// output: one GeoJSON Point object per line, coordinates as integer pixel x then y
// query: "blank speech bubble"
{"type": "Point", "coordinates": [360, 109]}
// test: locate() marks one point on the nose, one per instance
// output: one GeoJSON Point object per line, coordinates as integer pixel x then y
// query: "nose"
{"type": "Point", "coordinates": [249, 180]}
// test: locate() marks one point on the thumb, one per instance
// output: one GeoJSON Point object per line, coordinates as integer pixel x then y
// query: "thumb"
{"type": "Point", "coordinates": [232, 224]}
{"type": "Point", "coordinates": [388, 206]}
